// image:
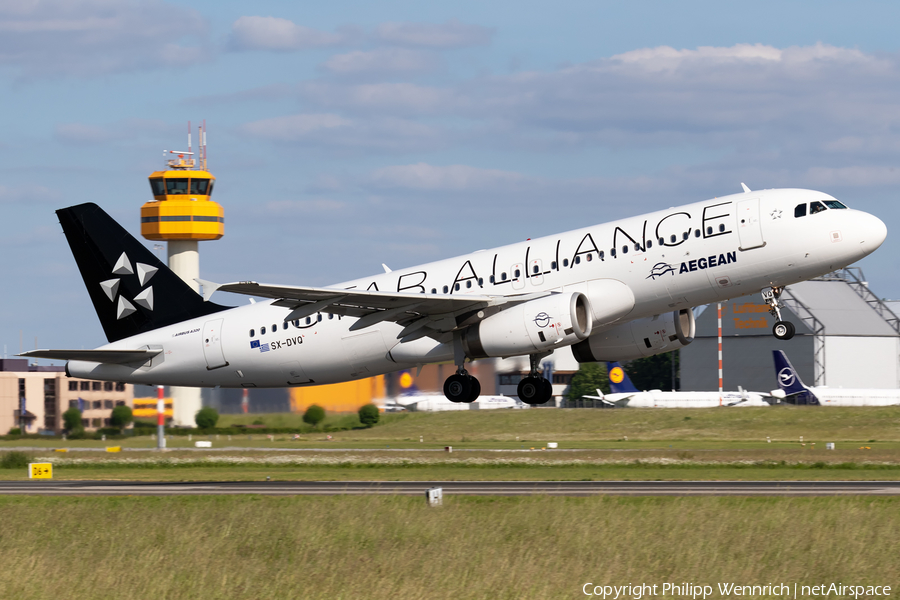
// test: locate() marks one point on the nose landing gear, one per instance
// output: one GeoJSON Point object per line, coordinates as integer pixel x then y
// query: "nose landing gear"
{"type": "Point", "coordinates": [783, 330]}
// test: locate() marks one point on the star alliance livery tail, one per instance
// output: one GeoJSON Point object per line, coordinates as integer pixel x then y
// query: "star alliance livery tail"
{"type": "Point", "coordinates": [619, 383]}
{"type": "Point", "coordinates": [132, 291]}
{"type": "Point", "coordinates": [789, 381]}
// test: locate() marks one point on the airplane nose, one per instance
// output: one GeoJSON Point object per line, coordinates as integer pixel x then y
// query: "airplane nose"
{"type": "Point", "coordinates": [874, 232]}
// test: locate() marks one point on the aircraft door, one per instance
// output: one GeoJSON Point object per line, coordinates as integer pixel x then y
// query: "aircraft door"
{"type": "Point", "coordinates": [748, 224]}
{"type": "Point", "coordinates": [212, 345]}
{"type": "Point", "coordinates": [536, 272]}
{"type": "Point", "coordinates": [517, 271]}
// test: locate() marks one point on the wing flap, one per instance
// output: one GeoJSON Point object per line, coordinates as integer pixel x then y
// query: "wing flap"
{"type": "Point", "coordinates": [116, 357]}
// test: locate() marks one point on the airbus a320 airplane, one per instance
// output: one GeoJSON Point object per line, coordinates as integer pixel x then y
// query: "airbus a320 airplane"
{"type": "Point", "coordinates": [616, 291]}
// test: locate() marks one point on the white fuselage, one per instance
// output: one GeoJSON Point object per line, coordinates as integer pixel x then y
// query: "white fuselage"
{"type": "Point", "coordinates": [850, 397]}
{"type": "Point", "coordinates": [661, 399]}
{"type": "Point", "coordinates": [670, 259]}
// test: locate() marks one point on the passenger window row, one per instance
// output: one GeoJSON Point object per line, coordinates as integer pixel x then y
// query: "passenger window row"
{"type": "Point", "coordinates": [295, 323]}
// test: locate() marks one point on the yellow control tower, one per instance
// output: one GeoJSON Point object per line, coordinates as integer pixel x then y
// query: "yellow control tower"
{"type": "Point", "coordinates": [181, 214]}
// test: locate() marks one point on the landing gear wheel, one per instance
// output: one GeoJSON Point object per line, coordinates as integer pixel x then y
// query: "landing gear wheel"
{"type": "Point", "coordinates": [458, 388]}
{"type": "Point", "coordinates": [547, 389]}
{"type": "Point", "coordinates": [534, 390]}
{"type": "Point", "coordinates": [783, 330]}
{"type": "Point", "coordinates": [476, 390]}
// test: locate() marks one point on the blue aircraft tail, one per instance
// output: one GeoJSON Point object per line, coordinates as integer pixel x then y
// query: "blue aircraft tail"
{"type": "Point", "coordinates": [619, 383]}
{"type": "Point", "coordinates": [789, 381]}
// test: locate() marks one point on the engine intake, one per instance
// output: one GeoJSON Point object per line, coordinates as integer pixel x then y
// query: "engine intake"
{"type": "Point", "coordinates": [532, 327]}
{"type": "Point", "coordinates": [639, 338]}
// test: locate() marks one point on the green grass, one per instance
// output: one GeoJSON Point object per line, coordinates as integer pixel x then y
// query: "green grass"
{"type": "Point", "coordinates": [377, 547]}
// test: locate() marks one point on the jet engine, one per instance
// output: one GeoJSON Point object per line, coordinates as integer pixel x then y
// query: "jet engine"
{"type": "Point", "coordinates": [531, 327]}
{"type": "Point", "coordinates": [639, 338]}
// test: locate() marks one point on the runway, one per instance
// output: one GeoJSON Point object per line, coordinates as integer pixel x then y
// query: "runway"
{"type": "Point", "coordinates": [474, 488]}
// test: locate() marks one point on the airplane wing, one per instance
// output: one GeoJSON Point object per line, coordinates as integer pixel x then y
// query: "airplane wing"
{"type": "Point", "coordinates": [116, 357]}
{"type": "Point", "coordinates": [421, 314]}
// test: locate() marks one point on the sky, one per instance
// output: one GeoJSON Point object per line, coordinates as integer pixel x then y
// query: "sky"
{"type": "Point", "coordinates": [353, 133]}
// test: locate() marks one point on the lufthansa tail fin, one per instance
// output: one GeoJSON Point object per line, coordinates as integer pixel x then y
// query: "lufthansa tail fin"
{"type": "Point", "coordinates": [619, 383]}
{"type": "Point", "coordinates": [789, 381]}
{"type": "Point", "coordinates": [132, 291]}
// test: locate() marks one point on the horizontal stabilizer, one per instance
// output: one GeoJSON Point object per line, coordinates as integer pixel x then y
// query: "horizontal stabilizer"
{"type": "Point", "coordinates": [116, 357]}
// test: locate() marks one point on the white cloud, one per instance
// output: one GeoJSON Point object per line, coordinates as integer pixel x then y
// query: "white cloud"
{"type": "Point", "coordinates": [382, 61]}
{"type": "Point", "coordinates": [326, 130]}
{"type": "Point", "coordinates": [451, 34]}
{"type": "Point", "coordinates": [456, 178]}
{"type": "Point", "coordinates": [93, 37]}
{"type": "Point", "coordinates": [274, 33]}
{"type": "Point", "coordinates": [385, 98]}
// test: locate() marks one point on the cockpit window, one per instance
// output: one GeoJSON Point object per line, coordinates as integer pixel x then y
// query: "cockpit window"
{"type": "Point", "coordinates": [816, 207]}
{"type": "Point", "coordinates": [800, 210]}
{"type": "Point", "coordinates": [834, 204]}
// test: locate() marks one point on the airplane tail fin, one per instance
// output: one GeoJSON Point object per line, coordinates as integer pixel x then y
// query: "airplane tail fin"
{"type": "Point", "coordinates": [789, 381]}
{"type": "Point", "coordinates": [132, 291]}
{"type": "Point", "coordinates": [619, 383]}
{"type": "Point", "coordinates": [788, 378]}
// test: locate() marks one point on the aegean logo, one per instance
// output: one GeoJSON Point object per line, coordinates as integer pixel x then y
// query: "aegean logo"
{"type": "Point", "coordinates": [542, 319]}
{"type": "Point", "coordinates": [660, 269]}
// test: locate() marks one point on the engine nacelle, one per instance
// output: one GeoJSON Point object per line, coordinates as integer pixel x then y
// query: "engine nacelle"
{"type": "Point", "coordinates": [531, 327]}
{"type": "Point", "coordinates": [639, 338]}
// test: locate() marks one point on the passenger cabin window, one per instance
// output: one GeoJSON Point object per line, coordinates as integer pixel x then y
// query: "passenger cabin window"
{"type": "Point", "coordinates": [577, 260]}
{"type": "Point", "coordinates": [553, 265]}
{"type": "Point", "coordinates": [565, 262]}
{"type": "Point", "coordinates": [456, 287]}
{"type": "Point", "coordinates": [177, 186]}
{"type": "Point", "coordinates": [816, 207]}
{"type": "Point", "coordinates": [612, 252]}
{"type": "Point", "coordinates": [502, 276]}
{"type": "Point", "coordinates": [434, 290]}
{"type": "Point", "coordinates": [252, 333]}
{"type": "Point", "coordinates": [274, 327]}
{"type": "Point", "coordinates": [518, 273]}
{"type": "Point", "coordinates": [649, 245]}
{"type": "Point", "coordinates": [601, 255]}
{"type": "Point", "coordinates": [696, 233]}
{"type": "Point", "coordinates": [158, 186]}
{"type": "Point", "coordinates": [446, 289]}
{"type": "Point", "coordinates": [535, 269]}
{"type": "Point", "coordinates": [262, 331]}
{"type": "Point", "coordinates": [709, 230]}
{"type": "Point", "coordinates": [672, 238]}
{"type": "Point", "coordinates": [590, 257]}
{"type": "Point", "coordinates": [199, 186]}
{"type": "Point", "coordinates": [624, 249]}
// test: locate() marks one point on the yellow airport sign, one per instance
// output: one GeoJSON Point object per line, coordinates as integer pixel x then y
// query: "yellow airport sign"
{"type": "Point", "coordinates": [40, 470]}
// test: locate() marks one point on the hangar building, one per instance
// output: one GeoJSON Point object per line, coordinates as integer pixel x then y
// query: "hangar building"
{"type": "Point", "coordinates": [846, 337]}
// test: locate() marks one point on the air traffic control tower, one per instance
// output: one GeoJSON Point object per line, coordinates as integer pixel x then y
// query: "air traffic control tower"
{"type": "Point", "coordinates": [181, 214]}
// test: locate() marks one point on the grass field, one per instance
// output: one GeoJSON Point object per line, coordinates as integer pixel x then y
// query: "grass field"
{"type": "Point", "coordinates": [593, 445]}
{"type": "Point", "coordinates": [396, 547]}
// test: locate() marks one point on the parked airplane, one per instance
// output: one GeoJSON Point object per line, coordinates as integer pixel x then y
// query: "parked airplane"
{"type": "Point", "coordinates": [616, 291]}
{"type": "Point", "coordinates": [438, 403]}
{"type": "Point", "coordinates": [623, 393]}
{"type": "Point", "coordinates": [793, 391]}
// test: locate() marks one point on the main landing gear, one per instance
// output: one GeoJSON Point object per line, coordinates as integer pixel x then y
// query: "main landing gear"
{"type": "Point", "coordinates": [534, 389]}
{"type": "Point", "coordinates": [783, 330]}
{"type": "Point", "coordinates": [461, 387]}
